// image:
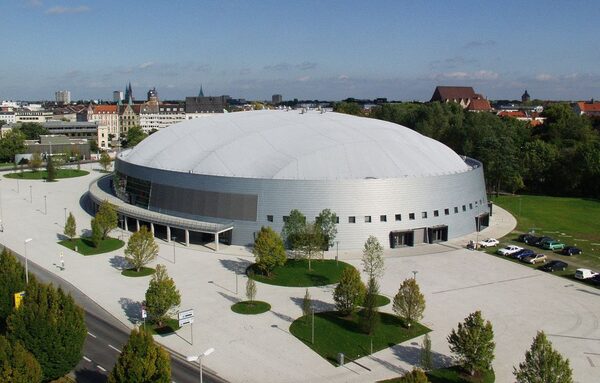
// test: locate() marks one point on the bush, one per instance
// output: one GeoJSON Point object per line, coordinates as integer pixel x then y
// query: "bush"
{"type": "Point", "coordinates": [349, 292]}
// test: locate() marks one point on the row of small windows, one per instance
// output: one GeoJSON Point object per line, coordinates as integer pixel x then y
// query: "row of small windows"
{"type": "Point", "coordinates": [397, 217]}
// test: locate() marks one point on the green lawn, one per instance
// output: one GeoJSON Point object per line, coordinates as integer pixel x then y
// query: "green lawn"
{"type": "Point", "coordinates": [43, 174]}
{"type": "Point", "coordinates": [335, 334]}
{"type": "Point", "coordinates": [144, 272]}
{"type": "Point", "coordinates": [251, 308]}
{"type": "Point", "coordinates": [573, 221]}
{"type": "Point", "coordinates": [86, 247]}
{"type": "Point", "coordinates": [451, 375]}
{"type": "Point", "coordinates": [170, 326]}
{"type": "Point", "coordinates": [295, 273]}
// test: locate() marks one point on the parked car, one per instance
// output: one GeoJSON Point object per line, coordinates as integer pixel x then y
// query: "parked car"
{"type": "Point", "coordinates": [508, 250]}
{"type": "Point", "coordinates": [553, 245]}
{"type": "Point", "coordinates": [531, 239]}
{"type": "Point", "coordinates": [535, 258]}
{"type": "Point", "coordinates": [595, 279]}
{"type": "Point", "coordinates": [542, 240]}
{"type": "Point", "coordinates": [554, 266]}
{"type": "Point", "coordinates": [522, 254]}
{"type": "Point", "coordinates": [489, 242]}
{"type": "Point", "coordinates": [526, 237]}
{"type": "Point", "coordinates": [585, 273]}
{"type": "Point", "coordinates": [571, 250]}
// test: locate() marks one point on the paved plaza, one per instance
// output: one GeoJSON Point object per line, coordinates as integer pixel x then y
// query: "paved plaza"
{"type": "Point", "coordinates": [518, 300]}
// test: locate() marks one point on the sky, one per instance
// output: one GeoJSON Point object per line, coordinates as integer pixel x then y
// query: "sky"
{"type": "Point", "coordinates": [325, 50]}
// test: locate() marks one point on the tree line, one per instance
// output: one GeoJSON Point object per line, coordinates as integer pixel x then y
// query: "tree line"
{"type": "Point", "coordinates": [560, 157]}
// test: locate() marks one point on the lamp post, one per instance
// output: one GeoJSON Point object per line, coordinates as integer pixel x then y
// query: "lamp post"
{"type": "Point", "coordinates": [45, 206]}
{"type": "Point", "coordinates": [174, 238]}
{"type": "Point", "coordinates": [194, 358]}
{"type": "Point", "coordinates": [65, 216]}
{"type": "Point", "coordinates": [30, 195]}
{"type": "Point", "coordinates": [26, 266]}
{"type": "Point", "coordinates": [415, 274]}
{"type": "Point", "coordinates": [337, 249]}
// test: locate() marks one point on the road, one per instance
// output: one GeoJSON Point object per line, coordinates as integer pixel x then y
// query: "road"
{"type": "Point", "coordinates": [106, 337]}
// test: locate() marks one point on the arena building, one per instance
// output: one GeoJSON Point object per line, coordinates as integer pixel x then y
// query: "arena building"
{"type": "Point", "coordinates": [220, 178]}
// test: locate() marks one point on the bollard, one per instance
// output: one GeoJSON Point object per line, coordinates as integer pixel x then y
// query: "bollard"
{"type": "Point", "coordinates": [341, 359]}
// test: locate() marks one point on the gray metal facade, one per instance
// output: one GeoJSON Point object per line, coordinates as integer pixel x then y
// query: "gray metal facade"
{"type": "Point", "coordinates": [452, 200]}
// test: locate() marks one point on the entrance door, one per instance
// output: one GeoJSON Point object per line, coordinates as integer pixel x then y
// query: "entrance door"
{"type": "Point", "coordinates": [401, 239]}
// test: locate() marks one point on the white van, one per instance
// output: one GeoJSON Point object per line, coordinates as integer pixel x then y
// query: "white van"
{"type": "Point", "coordinates": [584, 273]}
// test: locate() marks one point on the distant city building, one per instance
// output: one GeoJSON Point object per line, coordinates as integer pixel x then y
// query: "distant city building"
{"type": "Point", "coordinates": [8, 117]}
{"type": "Point", "coordinates": [203, 105]}
{"type": "Point", "coordinates": [168, 114]}
{"type": "Point", "coordinates": [522, 114]}
{"type": "Point", "coordinates": [128, 94]}
{"type": "Point", "coordinates": [39, 116]}
{"type": "Point", "coordinates": [525, 97]}
{"type": "Point", "coordinates": [55, 145]}
{"type": "Point", "coordinates": [589, 108]}
{"type": "Point", "coordinates": [465, 96]}
{"type": "Point", "coordinates": [90, 131]}
{"type": "Point", "coordinates": [105, 115]}
{"type": "Point", "coordinates": [276, 99]}
{"type": "Point", "coordinates": [63, 96]}
{"type": "Point", "coordinates": [117, 96]}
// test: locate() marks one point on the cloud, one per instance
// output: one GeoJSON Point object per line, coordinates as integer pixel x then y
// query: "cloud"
{"type": "Point", "coordinates": [278, 67]}
{"type": "Point", "coordinates": [453, 62]}
{"type": "Point", "coordinates": [146, 65]}
{"type": "Point", "coordinates": [306, 65]}
{"type": "Point", "coordinates": [58, 10]}
{"type": "Point", "coordinates": [303, 78]}
{"type": "Point", "coordinates": [34, 3]}
{"type": "Point", "coordinates": [474, 44]}
{"type": "Point", "coordinates": [544, 77]}
{"type": "Point", "coordinates": [477, 75]}
{"type": "Point", "coordinates": [284, 66]}
{"type": "Point", "coordinates": [343, 77]}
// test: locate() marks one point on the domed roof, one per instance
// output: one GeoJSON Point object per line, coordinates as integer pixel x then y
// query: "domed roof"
{"type": "Point", "coordinates": [294, 145]}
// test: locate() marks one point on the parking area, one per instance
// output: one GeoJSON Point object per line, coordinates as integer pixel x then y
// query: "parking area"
{"type": "Point", "coordinates": [518, 300]}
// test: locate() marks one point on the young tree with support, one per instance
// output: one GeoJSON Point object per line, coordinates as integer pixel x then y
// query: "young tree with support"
{"type": "Point", "coordinates": [473, 343]}
{"type": "Point", "coordinates": [141, 249]}
{"type": "Point", "coordinates": [269, 251]}
{"type": "Point", "coordinates": [50, 170]}
{"type": "Point", "coordinates": [409, 303]}
{"type": "Point", "coordinates": [372, 258]}
{"type": "Point", "coordinates": [107, 218]}
{"type": "Point", "coordinates": [327, 222]}
{"type": "Point", "coordinates": [105, 161]}
{"type": "Point", "coordinates": [162, 296]}
{"type": "Point", "coordinates": [70, 227]}
{"type": "Point", "coordinates": [349, 292]}
{"type": "Point", "coordinates": [543, 364]}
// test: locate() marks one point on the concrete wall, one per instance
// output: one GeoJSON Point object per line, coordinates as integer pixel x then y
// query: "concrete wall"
{"type": "Point", "coordinates": [358, 198]}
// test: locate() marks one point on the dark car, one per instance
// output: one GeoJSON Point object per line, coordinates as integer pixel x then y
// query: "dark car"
{"type": "Point", "coordinates": [531, 240]}
{"type": "Point", "coordinates": [523, 253]}
{"type": "Point", "coordinates": [571, 250]}
{"type": "Point", "coordinates": [595, 280]}
{"type": "Point", "coordinates": [542, 240]}
{"type": "Point", "coordinates": [525, 237]}
{"type": "Point", "coordinates": [554, 266]}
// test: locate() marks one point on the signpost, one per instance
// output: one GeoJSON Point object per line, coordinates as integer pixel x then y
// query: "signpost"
{"type": "Point", "coordinates": [187, 317]}
{"type": "Point", "coordinates": [144, 315]}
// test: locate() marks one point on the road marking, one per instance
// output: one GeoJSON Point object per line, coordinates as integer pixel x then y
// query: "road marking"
{"type": "Point", "coordinates": [86, 359]}
{"type": "Point", "coordinates": [101, 368]}
{"type": "Point", "coordinates": [92, 335]}
{"type": "Point", "coordinates": [114, 348]}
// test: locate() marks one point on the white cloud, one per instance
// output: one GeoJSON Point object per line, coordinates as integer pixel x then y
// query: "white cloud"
{"type": "Point", "coordinates": [34, 3]}
{"type": "Point", "coordinates": [479, 44]}
{"type": "Point", "coordinates": [58, 10]}
{"type": "Point", "coordinates": [477, 75]}
{"type": "Point", "coordinates": [544, 77]}
{"type": "Point", "coordinates": [146, 65]}
{"type": "Point", "coordinates": [303, 78]}
{"type": "Point", "coordinates": [343, 77]}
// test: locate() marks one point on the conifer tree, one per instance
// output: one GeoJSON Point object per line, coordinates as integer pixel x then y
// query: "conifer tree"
{"type": "Point", "coordinates": [349, 292]}
{"type": "Point", "coordinates": [141, 361]}
{"type": "Point", "coordinates": [162, 295]}
{"type": "Point", "coordinates": [107, 218]}
{"type": "Point", "coordinates": [96, 232]}
{"type": "Point", "coordinates": [473, 343]}
{"type": "Point", "coordinates": [543, 364]}
{"type": "Point", "coordinates": [17, 365]}
{"type": "Point", "coordinates": [306, 306]}
{"type": "Point", "coordinates": [70, 227]}
{"type": "Point", "coordinates": [369, 318]}
{"type": "Point", "coordinates": [51, 326]}
{"type": "Point", "coordinates": [12, 280]}
{"type": "Point", "coordinates": [50, 170]}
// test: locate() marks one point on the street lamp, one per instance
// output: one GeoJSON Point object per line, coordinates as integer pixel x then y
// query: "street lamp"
{"type": "Point", "coordinates": [174, 238]}
{"type": "Point", "coordinates": [415, 274]}
{"type": "Point", "coordinates": [193, 358]}
{"type": "Point", "coordinates": [26, 267]}
{"type": "Point", "coordinates": [30, 195]}
{"type": "Point", "coordinates": [45, 206]}
{"type": "Point", "coordinates": [65, 216]}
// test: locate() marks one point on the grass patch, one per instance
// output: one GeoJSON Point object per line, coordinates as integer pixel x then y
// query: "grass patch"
{"type": "Point", "coordinates": [85, 246]}
{"type": "Point", "coordinates": [572, 221]}
{"type": "Point", "coordinates": [170, 326]}
{"type": "Point", "coordinates": [295, 273]}
{"type": "Point", "coordinates": [43, 174]}
{"type": "Point", "coordinates": [144, 272]}
{"type": "Point", "coordinates": [250, 308]}
{"type": "Point", "coordinates": [335, 334]}
{"type": "Point", "coordinates": [451, 375]}
{"type": "Point", "coordinates": [381, 300]}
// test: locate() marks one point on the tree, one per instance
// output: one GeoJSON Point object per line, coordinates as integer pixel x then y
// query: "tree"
{"type": "Point", "coordinates": [12, 280]}
{"type": "Point", "coordinates": [250, 289]}
{"type": "Point", "coordinates": [414, 376]}
{"type": "Point", "coordinates": [309, 243]}
{"type": "Point", "coordinates": [107, 218]}
{"type": "Point", "coordinates": [135, 135]}
{"type": "Point", "coordinates": [162, 296]}
{"type": "Point", "coordinates": [268, 250]}
{"type": "Point", "coordinates": [543, 364]}
{"type": "Point", "coordinates": [349, 292]}
{"type": "Point", "coordinates": [35, 162]}
{"type": "Point", "coordinates": [141, 248]}
{"type": "Point", "coordinates": [426, 357]}
{"type": "Point", "coordinates": [372, 258]}
{"type": "Point", "coordinates": [51, 326]}
{"type": "Point", "coordinates": [409, 303]}
{"type": "Point", "coordinates": [11, 143]}
{"type": "Point", "coordinates": [96, 232]}
{"type": "Point", "coordinates": [369, 318]}
{"type": "Point", "coordinates": [105, 161]}
{"type": "Point", "coordinates": [17, 365]}
{"type": "Point", "coordinates": [292, 227]}
{"type": "Point", "coordinates": [70, 227]}
{"type": "Point", "coordinates": [327, 221]}
{"type": "Point", "coordinates": [306, 305]}
{"type": "Point", "coordinates": [141, 361]}
{"type": "Point", "coordinates": [50, 170]}
{"type": "Point", "coordinates": [32, 130]}
{"type": "Point", "coordinates": [473, 343]}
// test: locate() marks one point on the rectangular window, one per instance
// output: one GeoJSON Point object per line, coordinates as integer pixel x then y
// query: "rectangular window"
{"type": "Point", "coordinates": [337, 219]}
{"type": "Point", "coordinates": [424, 214]}
{"type": "Point", "coordinates": [367, 218]}
{"type": "Point", "coordinates": [285, 218]}
{"type": "Point", "coordinates": [411, 216]}
{"type": "Point", "coordinates": [270, 218]}
{"type": "Point", "coordinates": [436, 213]}
{"type": "Point", "coordinates": [470, 206]}
{"type": "Point", "coordinates": [352, 219]}
{"type": "Point", "coordinates": [464, 207]}
{"type": "Point", "coordinates": [446, 211]}
{"type": "Point", "coordinates": [398, 217]}
{"type": "Point", "coordinates": [383, 218]}
{"type": "Point", "coordinates": [455, 209]}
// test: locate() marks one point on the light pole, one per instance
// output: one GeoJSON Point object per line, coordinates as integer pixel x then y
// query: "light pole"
{"type": "Point", "coordinates": [65, 216]}
{"type": "Point", "coordinates": [415, 274]}
{"type": "Point", "coordinates": [174, 238]}
{"type": "Point", "coordinates": [45, 206]}
{"type": "Point", "coordinates": [26, 266]}
{"type": "Point", "coordinates": [30, 195]}
{"type": "Point", "coordinates": [193, 358]}
{"type": "Point", "coordinates": [337, 249]}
